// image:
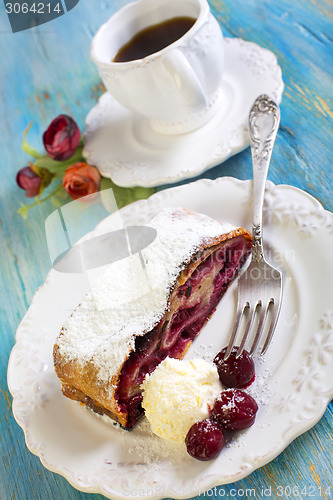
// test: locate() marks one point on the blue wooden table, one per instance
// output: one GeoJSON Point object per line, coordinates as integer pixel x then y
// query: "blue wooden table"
{"type": "Point", "coordinates": [46, 71]}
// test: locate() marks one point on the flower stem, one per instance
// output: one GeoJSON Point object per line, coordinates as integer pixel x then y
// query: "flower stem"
{"type": "Point", "coordinates": [24, 209]}
{"type": "Point", "coordinates": [47, 197]}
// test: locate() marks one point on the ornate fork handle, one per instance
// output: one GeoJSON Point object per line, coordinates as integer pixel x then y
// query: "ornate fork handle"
{"type": "Point", "coordinates": [264, 122]}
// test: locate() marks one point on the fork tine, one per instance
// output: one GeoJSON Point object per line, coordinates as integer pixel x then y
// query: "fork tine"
{"type": "Point", "coordinates": [262, 319]}
{"type": "Point", "coordinates": [247, 329]}
{"type": "Point", "coordinates": [234, 331]}
{"type": "Point", "coordinates": [269, 336]}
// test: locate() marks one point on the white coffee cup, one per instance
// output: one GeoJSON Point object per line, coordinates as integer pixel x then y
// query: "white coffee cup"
{"type": "Point", "coordinates": [176, 88]}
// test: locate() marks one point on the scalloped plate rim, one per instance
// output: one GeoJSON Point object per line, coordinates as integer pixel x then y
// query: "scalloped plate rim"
{"type": "Point", "coordinates": [282, 444]}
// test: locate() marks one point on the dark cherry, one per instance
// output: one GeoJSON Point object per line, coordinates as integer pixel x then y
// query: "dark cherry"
{"type": "Point", "coordinates": [234, 410]}
{"type": "Point", "coordinates": [204, 440]}
{"type": "Point", "coordinates": [235, 372]}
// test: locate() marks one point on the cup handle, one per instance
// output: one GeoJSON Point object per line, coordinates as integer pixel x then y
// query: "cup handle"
{"type": "Point", "coordinates": [185, 79]}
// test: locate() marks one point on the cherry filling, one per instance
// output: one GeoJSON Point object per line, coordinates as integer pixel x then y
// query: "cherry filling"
{"type": "Point", "coordinates": [191, 305]}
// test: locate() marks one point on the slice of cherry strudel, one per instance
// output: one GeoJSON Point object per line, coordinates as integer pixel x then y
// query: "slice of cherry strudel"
{"type": "Point", "coordinates": [146, 307]}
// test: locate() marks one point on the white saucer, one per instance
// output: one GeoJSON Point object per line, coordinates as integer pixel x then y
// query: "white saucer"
{"type": "Point", "coordinates": [125, 148]}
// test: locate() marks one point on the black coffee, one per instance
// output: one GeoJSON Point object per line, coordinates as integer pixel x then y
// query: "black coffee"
{"type": "Point", "coordinates": [154, 38]}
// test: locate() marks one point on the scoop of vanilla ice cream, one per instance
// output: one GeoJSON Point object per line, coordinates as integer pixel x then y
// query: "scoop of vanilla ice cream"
{"type": "Point", "coordinates": [177, 394]}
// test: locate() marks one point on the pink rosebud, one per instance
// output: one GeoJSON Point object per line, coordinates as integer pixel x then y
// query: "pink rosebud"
{"type": "Point", "coordinates": [62, 138]}
{"type": "Point", "coordinates": [81, 180]}
{"type": "Point", "coordinates": [28, 180]}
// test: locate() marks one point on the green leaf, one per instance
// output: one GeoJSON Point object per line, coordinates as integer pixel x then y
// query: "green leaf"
{"type": "Point", "coordinates": [123, 196]}
{"type": "Point", "coordinates": [23, 211]}
{"type": "Point", "coordinates": [58, 168]}
{"type": "Point", "coordinates": [45, 175]}
{"type": "Point", "coordinates": [26, 146]}
{"type": "Point", "coordinates": [30, 150]}
{"type": "Point", "coordinates": [46, 180]}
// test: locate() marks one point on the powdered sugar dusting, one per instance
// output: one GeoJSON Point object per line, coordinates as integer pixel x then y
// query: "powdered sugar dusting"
{"type": "Point", "coordinates": [154, 449]}
{"type": "Point", "coordinates": [262, 389]}
{"type": "Point", "coordinates": [130, 298]}
{"type": "Point", "coordinates": [203, 351]}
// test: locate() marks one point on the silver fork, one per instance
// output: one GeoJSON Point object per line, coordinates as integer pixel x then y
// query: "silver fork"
{"type": "Point", "coordinates": [260, 286]}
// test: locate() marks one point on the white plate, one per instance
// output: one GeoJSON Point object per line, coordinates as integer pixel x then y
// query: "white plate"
{"type": "Point", "coordinates": [125, 148]}
{"type": "Point", "coordinates": [293, 384]}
